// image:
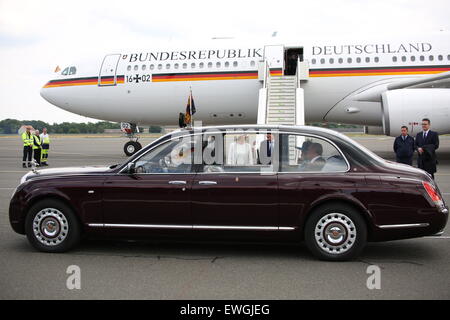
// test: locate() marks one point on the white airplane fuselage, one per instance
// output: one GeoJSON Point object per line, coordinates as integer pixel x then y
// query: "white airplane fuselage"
{"type": "Point", "coordinates": [151, 87]}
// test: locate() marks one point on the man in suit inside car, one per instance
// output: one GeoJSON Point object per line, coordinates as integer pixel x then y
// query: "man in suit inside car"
{"type": "Point", "coordinates": [426, 144]}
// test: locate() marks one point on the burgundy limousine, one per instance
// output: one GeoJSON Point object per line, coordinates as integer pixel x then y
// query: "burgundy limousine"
{"type": "Point", "coordinates": [269, 183]}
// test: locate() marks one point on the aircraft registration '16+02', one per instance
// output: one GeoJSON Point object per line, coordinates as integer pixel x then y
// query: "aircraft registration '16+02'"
{"type": "Point", "coordinates": [380, 83]}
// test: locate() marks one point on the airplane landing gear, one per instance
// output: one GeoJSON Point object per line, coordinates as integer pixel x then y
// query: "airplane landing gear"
{"type": "Point", "coordinates": [131, 147]}
{"type": "Point", "coordinates": [131, 130]}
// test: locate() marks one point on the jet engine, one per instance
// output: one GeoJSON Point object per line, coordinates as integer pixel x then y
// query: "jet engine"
{"type": "Point", "coordinates": [407, 107]}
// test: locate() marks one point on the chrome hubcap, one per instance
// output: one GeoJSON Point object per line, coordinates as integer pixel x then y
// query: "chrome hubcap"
{"type": "Point", "coordinates": [335, 233]}
{"type": "Point", "coordinates": [50, 226]}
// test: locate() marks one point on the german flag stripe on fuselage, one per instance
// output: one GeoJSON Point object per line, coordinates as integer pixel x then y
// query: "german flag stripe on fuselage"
{"type": "Point", "coordinates": [238, 75]}
{"type": "Point", "coordinates": [198, 76]}
{"type": "Point", "coordinates": [84, 81]}
{"type": "Point", "coordinates": [348, 72]}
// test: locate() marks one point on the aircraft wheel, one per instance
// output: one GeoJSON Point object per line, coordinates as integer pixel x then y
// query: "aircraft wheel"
{"type": "Point", "coordinates": [131, 147]}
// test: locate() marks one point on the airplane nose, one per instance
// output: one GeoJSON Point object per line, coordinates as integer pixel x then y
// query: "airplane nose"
{"type": "Point", "coordinates": [50, 95]}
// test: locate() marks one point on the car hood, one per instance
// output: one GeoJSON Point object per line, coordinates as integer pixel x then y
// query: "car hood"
{"type": "Point", "coordinates": [64, 171]}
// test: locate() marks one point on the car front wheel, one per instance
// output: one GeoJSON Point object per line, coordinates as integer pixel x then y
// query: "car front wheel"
{"type": "Point", "coordinates": [335, 232]}
{"type": "Point", "coordinates": [51, 226]}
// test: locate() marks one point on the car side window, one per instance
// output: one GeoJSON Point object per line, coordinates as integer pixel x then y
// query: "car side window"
{"type": "Point", "coordinates": [241, 152]}
{"type": "Point", "coordinates": [174, 156]}
{"type": "Point", "coordinates": [309, 154]}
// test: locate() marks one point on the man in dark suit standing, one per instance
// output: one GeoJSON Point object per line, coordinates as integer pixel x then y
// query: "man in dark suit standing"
{"type": "Point", "coordinates": [404, 147]}
{"type": "Point", "coordinates": [426, 144]}
{"type": "Point", "coordinates": [265, 150]}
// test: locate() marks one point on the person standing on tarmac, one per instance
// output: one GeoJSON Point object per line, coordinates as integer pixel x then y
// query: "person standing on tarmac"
{"type": "Point", "coordinates": [37, 147]}
{"type": "Point", "coordinates": [27, 139]}
{"type": "Point", "coordinates": [45, 139]}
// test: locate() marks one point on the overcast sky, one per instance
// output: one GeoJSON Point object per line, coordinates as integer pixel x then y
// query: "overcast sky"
{"type": "Point", "coordinates": [35, 36]}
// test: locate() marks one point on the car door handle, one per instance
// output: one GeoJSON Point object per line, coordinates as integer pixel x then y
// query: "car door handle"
{"type": "Point", "coordinates": [177, 182]}
{"type": "Point", "coordinates": [207, 183]}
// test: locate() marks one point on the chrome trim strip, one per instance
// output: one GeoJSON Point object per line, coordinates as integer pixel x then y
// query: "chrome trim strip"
{"type": "Point", "coordinates": [145, 226]}
{"type": "Point", "coordinates": [410, 225]}
{"type": "Point", "coordinates": [199, 227]}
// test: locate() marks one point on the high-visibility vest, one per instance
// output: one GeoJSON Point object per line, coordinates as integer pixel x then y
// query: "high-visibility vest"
{"type": "Point", "coordinates": [36, 142]}
{"type": "Point", "coordinates": [45, 138]}
{"type": "Point", "coordinates": [27, 139]}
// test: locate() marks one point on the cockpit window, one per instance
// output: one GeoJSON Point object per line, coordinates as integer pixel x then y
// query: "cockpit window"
{"type": "Point", "coordinates": [65, 71]}
{"type": "Point", "coordinates": [73, 70]}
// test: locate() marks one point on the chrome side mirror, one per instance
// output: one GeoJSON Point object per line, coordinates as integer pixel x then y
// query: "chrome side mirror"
{"type": "Point", "coordinates": [131, 168]}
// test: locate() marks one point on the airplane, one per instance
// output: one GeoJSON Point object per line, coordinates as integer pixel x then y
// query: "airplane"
{"type": "Point", "coordinates": [379, 83]}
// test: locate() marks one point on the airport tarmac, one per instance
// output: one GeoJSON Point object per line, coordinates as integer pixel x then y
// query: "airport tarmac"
{"type": "Point", "coordinates": [410, 269]}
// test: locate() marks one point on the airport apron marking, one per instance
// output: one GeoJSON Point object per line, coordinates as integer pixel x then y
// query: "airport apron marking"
{"type": "Point", "coordinates": [240, 75]}
{"type": "Point", "coordinates": [348, 72]}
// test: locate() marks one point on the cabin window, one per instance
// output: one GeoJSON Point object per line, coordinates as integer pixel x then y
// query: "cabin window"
{"type": "Point", "coordinates": [226, 64]}
{"type": "Point", "coordinates": [440, 58]}
{"type": "Point", "coordinates": [394, 59]}
{"type": "Point", "coordinates": [65, 71]}
{"type": "Point", "coordinates": [144, 67]}
{"type": "Point", "coordinates": [413, 58]}
{"type": "Point", "coordinates": [184, 65]}
{"type": "Point", "coordinates": [152, 66]}
{"type": "Point", "coordinates": [358, 60]}
{"type": "Point", "coordinates": [431, 58]}
{"type": "Point", "coordinates": [322, 61]}
{"type": "Point", "coordinates": [422, 58]}
{"type": "Point", "coordinates": [340, 60]}
{"type": "Point", "coordinates": [129, 68]}
{"type": "Point", "coordinates": [376, 59]}
{"type": "Point", "coordinates": [252, 63]}
{"type": "Point", "coordinates": [136, 67]}
{"type": "Point", "coordinates": [367, 59]}
{"type": "Point", "coordinates": [168, 66]}
{"type": "Point", "coordinates": [159, 66]}
{"type": "Point", "coordinates": [448, 57]}
{"type": "Point", "coordinates": [331, 60]}
{"type": "Point", "coordinates": [313, 61]}
{"type": "Point", "coordinates": [176, 65]}
{"type": "Point", "coordinates": [349, 60]}
{"type": "Point", "coordinates": [235, 64]}
{"type": "Point", "coordinates": [299, 153]}
{"type": "Point", "coordinates": [403, 58]}
{"type": "Point", "coordinates": [218, 65]}
{"type": "Point", "coordinates": [209, 64]}
{"type": "Point", "coordinates": [201, 65]}
{"type": "Point", "coordinates": [193, 65]}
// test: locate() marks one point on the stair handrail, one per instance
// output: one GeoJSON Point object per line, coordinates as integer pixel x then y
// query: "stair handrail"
{"type": "Point", "coordinates": [297, 73]}
{"type": "Point", "coordinates": [266, 73]}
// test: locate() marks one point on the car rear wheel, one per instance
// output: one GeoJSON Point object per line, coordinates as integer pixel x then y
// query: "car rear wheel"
{"type": "Point", "coordinates": [335, 232]}
{"type": "Point", "coordinates": [51, 226]}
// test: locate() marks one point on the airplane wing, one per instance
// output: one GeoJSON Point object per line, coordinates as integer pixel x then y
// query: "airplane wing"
{"type": "Point", "coordinates": [373, 94]}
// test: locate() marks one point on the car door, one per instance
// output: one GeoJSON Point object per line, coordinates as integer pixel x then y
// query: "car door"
{"type": "Point", "coordinates": [235, 194]}
{"type": "Point", "coordinates": [311, 168]}
{"type": "Point", "coordinates": [157, 194]}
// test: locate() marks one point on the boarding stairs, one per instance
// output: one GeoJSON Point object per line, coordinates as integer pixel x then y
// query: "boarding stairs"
{"type": "Point", "coordinates": [281, 99]}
